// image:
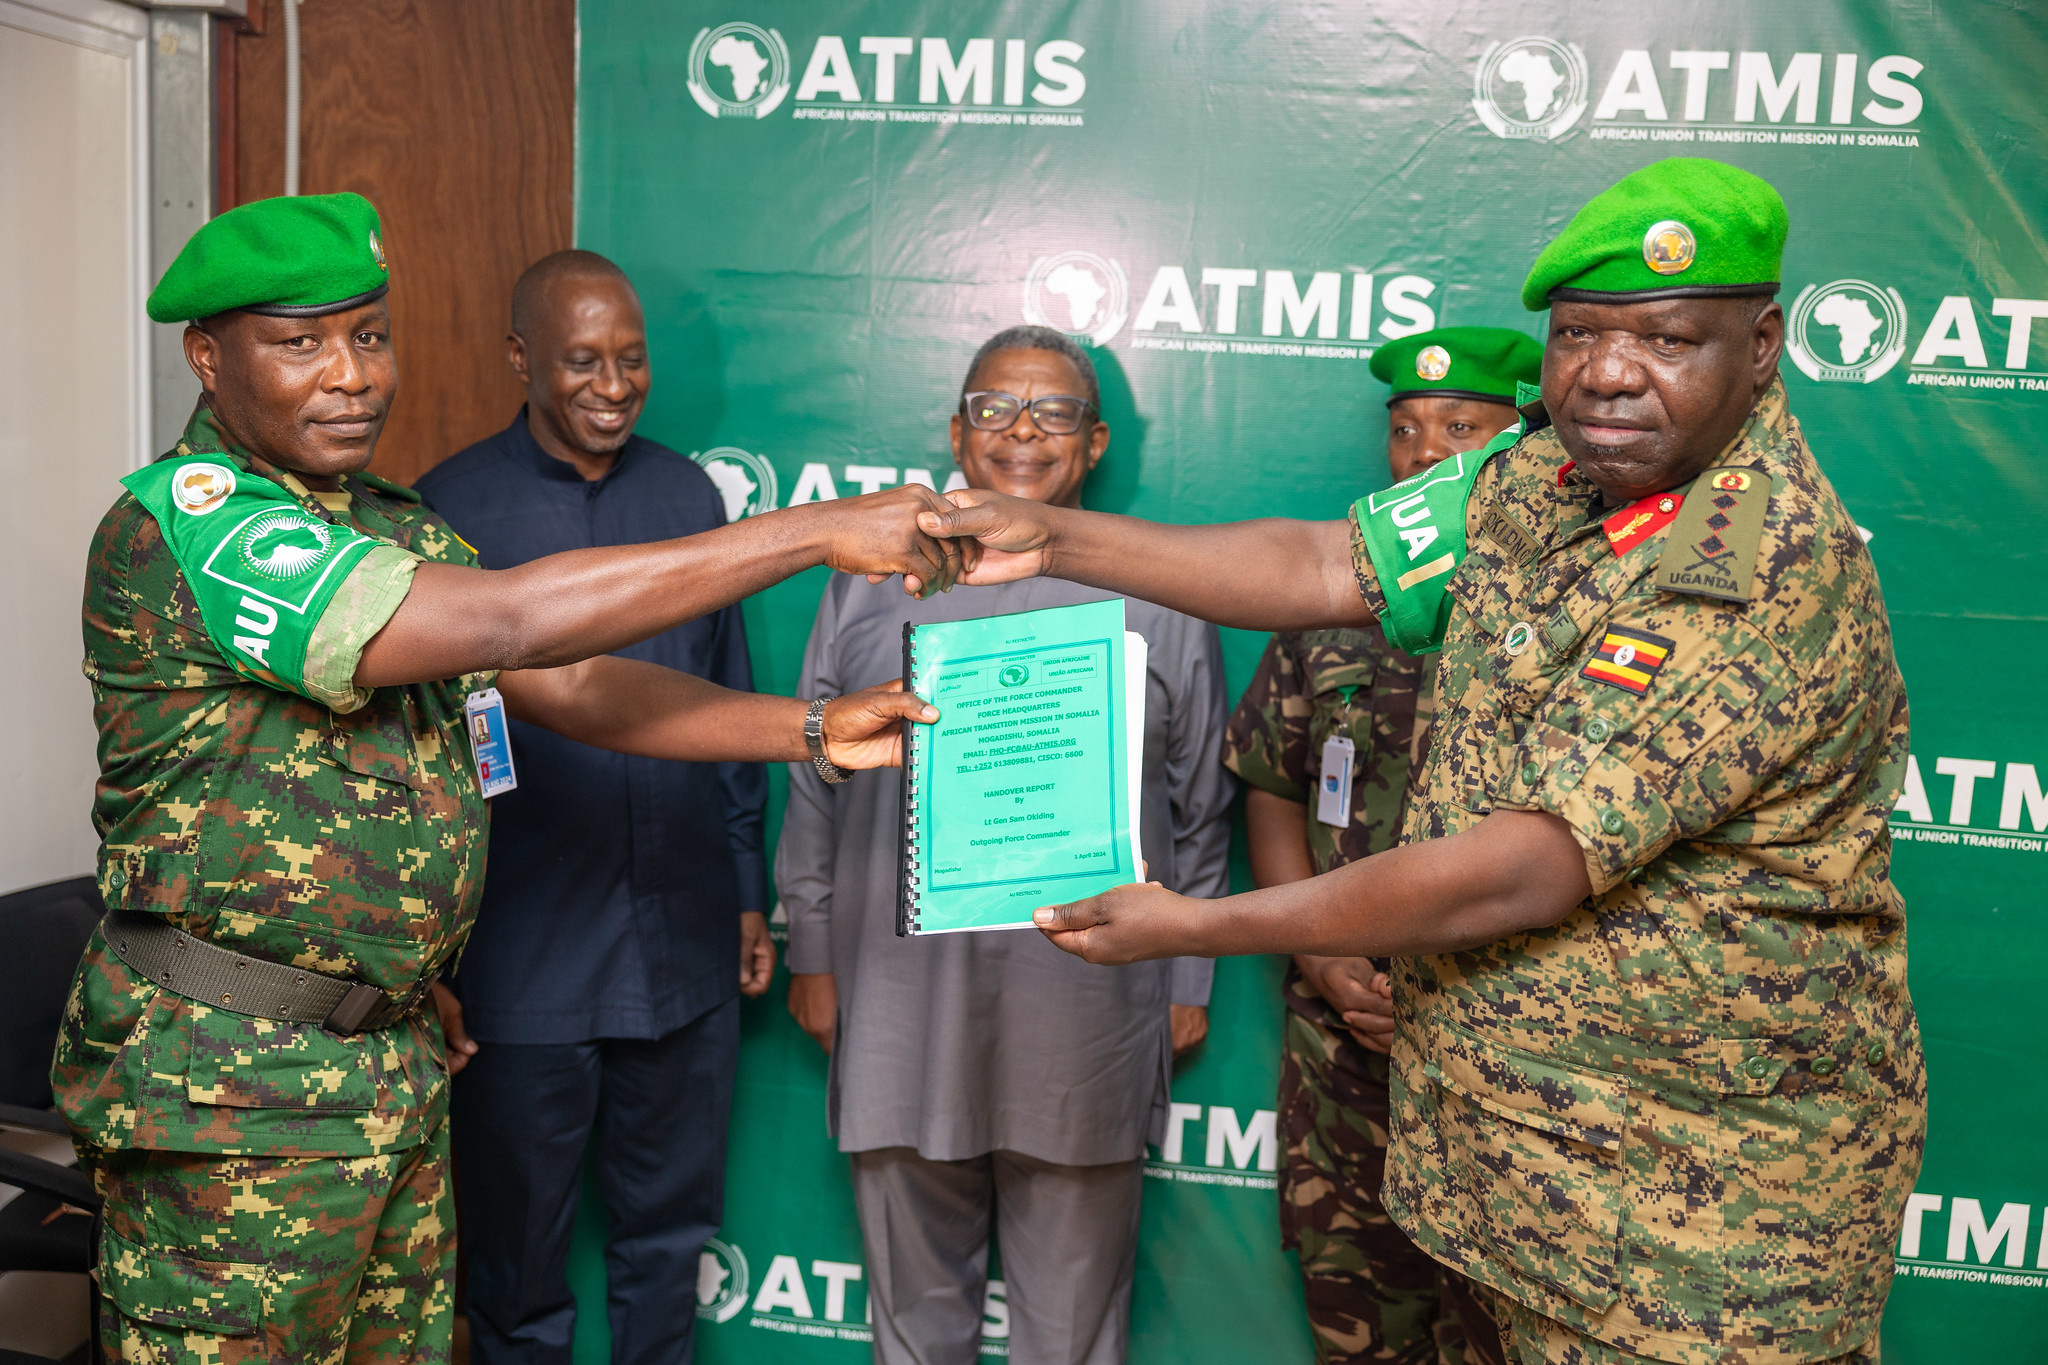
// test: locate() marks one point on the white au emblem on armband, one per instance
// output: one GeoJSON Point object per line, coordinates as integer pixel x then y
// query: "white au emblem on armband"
{"type": "Point", "coordinates": [202, 488]}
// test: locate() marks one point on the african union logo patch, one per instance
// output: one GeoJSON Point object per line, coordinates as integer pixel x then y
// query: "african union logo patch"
{"type": "Point", "coordinates": [1628, 659]}
{"type": "Point", "coordinates": [1432, 363]}
{"type": "Point", "coordinates": [283, 545]}
{"type": "Point", "coordinates": [1016, 675]}
{"type": "Point", "coordinates": [1668, 247]}
{"type": "Point", "coordinates": [201, 488]}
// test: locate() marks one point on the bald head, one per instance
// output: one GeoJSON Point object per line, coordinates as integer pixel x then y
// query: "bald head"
{"type": "Point", "coordinates": [579, 345]}
{"type": "Point", "coordinates": [539, 281]}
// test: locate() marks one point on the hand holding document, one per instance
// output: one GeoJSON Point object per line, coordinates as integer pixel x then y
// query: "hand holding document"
{"type": "Point", "coordinates": [1026, 791]}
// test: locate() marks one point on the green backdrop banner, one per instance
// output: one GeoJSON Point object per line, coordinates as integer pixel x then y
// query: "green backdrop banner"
{"type": "Point", "coordinates": [826, 206]}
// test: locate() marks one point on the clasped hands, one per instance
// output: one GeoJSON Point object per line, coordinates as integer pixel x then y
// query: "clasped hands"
{"type": "Point", "coordinates": [935, 540]}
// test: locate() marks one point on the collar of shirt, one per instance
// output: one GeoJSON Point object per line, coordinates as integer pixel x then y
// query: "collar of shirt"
{"type": "Point", "coordinates": [549, 467]}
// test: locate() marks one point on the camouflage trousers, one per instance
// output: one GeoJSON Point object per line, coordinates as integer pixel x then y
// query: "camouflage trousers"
{"type": "Point", "coordinates": [1529, 1338]}
{"type": "Point", "coordinates": [1372, 1294]}
{"type": "Point", "coordinates": [224, 1260]}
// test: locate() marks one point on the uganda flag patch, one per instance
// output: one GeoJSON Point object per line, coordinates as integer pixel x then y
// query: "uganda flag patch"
{"type": "Point", "coordinates": [1628, 659]}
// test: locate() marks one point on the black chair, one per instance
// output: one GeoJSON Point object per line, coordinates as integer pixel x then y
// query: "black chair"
{"type": "Point", "coordinates": [44, 930]}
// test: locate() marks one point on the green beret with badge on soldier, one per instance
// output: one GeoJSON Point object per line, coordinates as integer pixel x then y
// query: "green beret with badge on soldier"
{"type": "Point", "coordinates": [299, 677]}
{"type": "Point", "coordinates": [1657, 1081]}
{"type": "Point", "coordinates": [1326, 738]}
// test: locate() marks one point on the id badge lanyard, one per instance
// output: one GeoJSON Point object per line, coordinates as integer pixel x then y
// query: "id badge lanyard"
{"type": "Point", "coordinates": [490, 742]}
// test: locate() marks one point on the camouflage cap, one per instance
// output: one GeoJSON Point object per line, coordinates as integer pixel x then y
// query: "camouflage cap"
{"type": "Point", "coordinates": [1679, 228]}
{"type": "Point", "coordinates": [295, 256]}
{"type": "Point", "coordinates": [1459, 362]}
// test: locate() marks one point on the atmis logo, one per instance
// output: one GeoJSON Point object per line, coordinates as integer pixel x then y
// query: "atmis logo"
{"type": "Point", "coordinates": [1536, 87]}
{"type": "Point", "coordinates": [1530, 88]}
{"type": "Point", "coordinates": [742, 70]}
{"type": "Point", "coordinates": [1079, 293]}
{"type": "Point", "coordinates": [1975, 787]}
{"type": "Point", "coordinates": [1855, 331]}
{"type": "Point", "coordinates": [722, 1281]}
{"type": "Point", "coordinates": [1846, 331]}
{"type": "Point", "coordinates": [756, 66]}
{"type": "Point", "coordinates": [1961, 1239]}
{"type": "Point", "coordinates": [745, 481]}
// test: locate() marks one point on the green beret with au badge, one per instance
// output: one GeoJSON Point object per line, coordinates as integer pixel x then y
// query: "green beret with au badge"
{"type": "Point", "coordinates": [1686, 227]}
{"type": "Point", "coordinates": [294, 256]}
{"type": "Point", "coordinates": [1459, 362]}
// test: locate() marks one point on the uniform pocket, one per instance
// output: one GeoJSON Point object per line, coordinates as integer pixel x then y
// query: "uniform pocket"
{"type": "Point", "coordinates": [374, 742]}
{"type": "Point", "coordinates": [167, 1288]}
{"type": "Point", "coordinates": [239, 1062]}
{"type": "Point", "coordinates": [1536, 1149]}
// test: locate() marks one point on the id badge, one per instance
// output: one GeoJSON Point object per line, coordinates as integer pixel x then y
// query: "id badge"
{"type": "Point", "coordinates": [491, 743]}
{"type": "Point", "coordinates": [1333, 790]}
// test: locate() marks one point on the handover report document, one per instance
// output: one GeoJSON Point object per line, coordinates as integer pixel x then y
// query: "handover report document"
{"type": "Point", "coordinates": [1026, 791]}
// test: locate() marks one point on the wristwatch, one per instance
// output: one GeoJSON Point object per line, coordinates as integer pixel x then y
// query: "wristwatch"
{"type": "Point", "coordinates": [814, 740]}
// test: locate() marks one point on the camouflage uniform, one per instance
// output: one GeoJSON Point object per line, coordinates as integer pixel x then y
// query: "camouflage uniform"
{"type": "Point", "coordinates": [1683, 1122]}
{"type": "Point", "coordinates": [1372, 1294]}
{"type": "Point", "coordinates": [274, 1191]}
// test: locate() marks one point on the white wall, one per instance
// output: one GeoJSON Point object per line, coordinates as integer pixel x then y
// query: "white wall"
{"type": "Point", "coordinates": [72, 400]}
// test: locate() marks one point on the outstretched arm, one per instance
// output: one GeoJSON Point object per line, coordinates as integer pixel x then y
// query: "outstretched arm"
{"type": "Point", "coordinates": [1512, 872]}
{"type": "Point", "coordinates": [1257, 575]}
{"type": "Point", "coordinates": [582, 603]}
{"type": "Point", "coordinates": [635, 707]}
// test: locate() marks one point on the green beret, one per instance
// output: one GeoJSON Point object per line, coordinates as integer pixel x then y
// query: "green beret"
{"type": "Point", "coordinates": [1683, 228]}
{"type": "Point", "coordinates": [297, 256]}
{"type": "Point", "coordinates": [1459, 362]}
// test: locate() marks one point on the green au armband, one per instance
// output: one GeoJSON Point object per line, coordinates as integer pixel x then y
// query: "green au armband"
{"type": "Point", "coordinates": [1414, 533]}
{"type": "Point", "coordinates": [261, 566]}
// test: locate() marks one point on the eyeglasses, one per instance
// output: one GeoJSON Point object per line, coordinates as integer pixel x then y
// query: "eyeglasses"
{"type": "Point", "coordinates": [1056, 414]}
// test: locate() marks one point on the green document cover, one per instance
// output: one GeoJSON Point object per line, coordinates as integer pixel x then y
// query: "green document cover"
{"type": "Point", "coordinates": [1026, 791]}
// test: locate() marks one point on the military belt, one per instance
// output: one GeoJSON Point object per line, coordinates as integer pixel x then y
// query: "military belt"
{"type": "Point", "coordinates": [240, 984]}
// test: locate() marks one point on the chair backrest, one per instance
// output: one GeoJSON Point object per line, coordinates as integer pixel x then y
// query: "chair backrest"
{"type": "Point", "coordinates": [44, 930]}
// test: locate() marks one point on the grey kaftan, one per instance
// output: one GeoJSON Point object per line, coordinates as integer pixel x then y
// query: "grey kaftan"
{"type": "Point", "coordinates": [962, 1044]}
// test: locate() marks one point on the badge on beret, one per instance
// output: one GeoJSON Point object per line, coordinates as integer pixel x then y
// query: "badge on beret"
{"type": "Point", "coordinates": [1432, 363]}
{"type": "Point", "coordinates": [202, 488]}
{"type": "Point", "coordinates": [1668, 247]}
{"type": "Point", "coordinates": [377, 250]}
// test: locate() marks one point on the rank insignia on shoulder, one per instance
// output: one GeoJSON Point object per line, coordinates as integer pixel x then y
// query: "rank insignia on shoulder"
{"type": "Point", "coordinates": [1640, 520]}
{"type": "Point", "coordinates": [1710, 550]}
{"type": "Point", "coordinates": [1628, 659]}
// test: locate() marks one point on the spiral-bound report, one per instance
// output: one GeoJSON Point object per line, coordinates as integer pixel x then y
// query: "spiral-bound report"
{"type": "Point", "coordinates": [1025, 792]}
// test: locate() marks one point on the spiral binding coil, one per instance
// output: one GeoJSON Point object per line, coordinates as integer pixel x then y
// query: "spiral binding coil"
{"type": "Point", "coordinates": [907, 885]}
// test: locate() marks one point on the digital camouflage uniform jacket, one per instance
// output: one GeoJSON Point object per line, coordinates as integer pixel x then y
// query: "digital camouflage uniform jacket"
{"type": "Point", "coordinates": [345, 834]}
{"type": "Point", "coordinates": [1311, 685]}
{"type": "Point", "coordinates": [1685, 1120]}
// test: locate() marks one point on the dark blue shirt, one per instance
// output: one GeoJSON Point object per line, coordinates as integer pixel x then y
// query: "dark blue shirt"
{"type": "Point", "coordinates": [615, 885]}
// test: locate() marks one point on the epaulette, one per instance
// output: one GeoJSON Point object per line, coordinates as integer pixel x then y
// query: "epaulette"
{"type": "Point", "coordinates": [1710, 550]}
